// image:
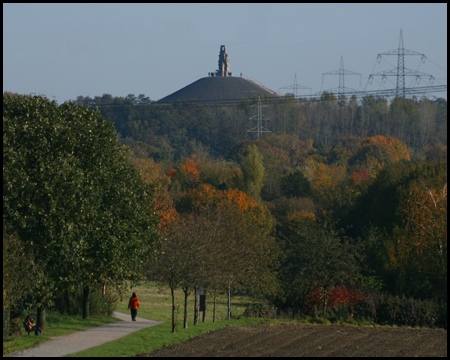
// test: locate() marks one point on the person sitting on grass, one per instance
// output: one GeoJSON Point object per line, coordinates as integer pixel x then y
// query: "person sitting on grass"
{"type": "Point", "coordinates": [32, 326]}
{"type": "Point", "coordinates": [133, 304]}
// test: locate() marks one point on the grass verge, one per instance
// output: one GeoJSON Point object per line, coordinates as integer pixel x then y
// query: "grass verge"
{"type": "Point", "coordinates": [57, 325]}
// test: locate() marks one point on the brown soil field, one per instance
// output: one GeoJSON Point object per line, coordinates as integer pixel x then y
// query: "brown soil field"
{"type": "Point", "coordinates": [311, 340]}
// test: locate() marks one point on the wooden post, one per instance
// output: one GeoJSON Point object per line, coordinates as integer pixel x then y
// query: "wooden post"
{"type": "Point", "coordinates": [185, 310]}
{"type": "Point", "coordinates": [204, 310]}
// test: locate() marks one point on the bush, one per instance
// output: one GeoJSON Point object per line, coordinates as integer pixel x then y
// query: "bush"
{"type": "Point", "coordinates": [71, 303]}
{"type": "Point", "coordinates": [260, 311]}
{"type": "Point", "coordinates": [383, 309]}
{"type": "Point", "coordinates": [403, 311]}
{"type": "Point", "coordinates": [339, 300]}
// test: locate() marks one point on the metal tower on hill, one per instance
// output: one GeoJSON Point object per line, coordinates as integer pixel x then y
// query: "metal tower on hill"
{"type": "Point", "coordinates": [341, 72]}
{"type": "Point", "coordinates": [259, 129]}
{"type": "Point", "coordinates": [400, 72]}
{"type": "Point", "coordinates": [295, 87]}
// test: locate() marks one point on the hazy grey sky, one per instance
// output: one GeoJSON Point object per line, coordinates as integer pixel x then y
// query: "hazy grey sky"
{"type": "Point", "coordinates": [66, 50]}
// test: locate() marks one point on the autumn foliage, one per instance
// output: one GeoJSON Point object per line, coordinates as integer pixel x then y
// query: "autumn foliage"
{"type": "Point", "coordinates": [191, 169]}
{"type": "Point", "coordinates": [399, 147]}
{"type": "Point", "coordinates": [336, 296]}
{"type": "Point", "coordinates": [165, 210]}
{"type": "Point", "coordinates": [421, 243]}
{"type": "Point", "coordinates": [360, 176]}
{"type": "Point", "coordinates": [207, 196]}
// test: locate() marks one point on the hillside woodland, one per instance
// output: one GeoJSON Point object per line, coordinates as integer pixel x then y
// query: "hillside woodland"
{"type": "Point", "coordinates": [354, 191]}
{"type": "Point", "coordinates": [340, 211]}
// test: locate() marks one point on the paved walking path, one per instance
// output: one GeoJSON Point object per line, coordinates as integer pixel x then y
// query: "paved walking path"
{"type": "Point", "coordinates": [82, 340]}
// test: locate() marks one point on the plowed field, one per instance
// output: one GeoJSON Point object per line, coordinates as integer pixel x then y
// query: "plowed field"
{"type": "Point", "coordinates": [300, 340]}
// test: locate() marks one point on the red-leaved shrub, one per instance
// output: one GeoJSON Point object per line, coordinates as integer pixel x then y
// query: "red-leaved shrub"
{"type": "Point", "coordinates": [339, 295]}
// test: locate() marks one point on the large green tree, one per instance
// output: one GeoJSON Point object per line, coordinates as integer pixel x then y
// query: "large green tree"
{"type": "Point", "coordinates": [71, 195]}
{"type": "Point", "coordinates": [253, 172]}
{"type": "Point", "coordinates": [316, 256]}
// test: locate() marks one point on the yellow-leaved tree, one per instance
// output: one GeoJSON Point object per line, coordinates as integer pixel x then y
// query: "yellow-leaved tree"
{"type": "Point", "coordinates": [419, 250]}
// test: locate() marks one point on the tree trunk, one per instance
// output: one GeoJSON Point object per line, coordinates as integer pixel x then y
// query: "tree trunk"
{"type": "Point", "coordinates": [14, 323]}
{"type": "Point", "coordinates": [196, 307]}
{"type": "Point", "coordinates": [173, 311]}
{"type": "Point", "coordinates": [40, 322]}
{"type": "Point", "coordinates": [186, 294]}
{"type": "Point", "coordinates": [214, 307]}
{"type": "Point", "coordinates": [229, 302]}
{"type": "Point", "coordinates": [324, 303]}
{"type": "Point", "coordinates": [86, 302]}
{"type": "Point", "coordinates": [204, 311]}
{"type": "Point", "coordinates": [67, 301]}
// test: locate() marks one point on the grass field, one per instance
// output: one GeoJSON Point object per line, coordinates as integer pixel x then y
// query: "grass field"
{"type": "Point", "coordinates": [156, 304]}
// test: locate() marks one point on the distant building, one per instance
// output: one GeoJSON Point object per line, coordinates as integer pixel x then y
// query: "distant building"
{"type": "Point", "coordinates": [220, 87]}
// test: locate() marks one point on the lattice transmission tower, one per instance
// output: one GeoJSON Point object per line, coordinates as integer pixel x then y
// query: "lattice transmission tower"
{"type": "Point", "coordinates": [259, 129]}
{"type": "Point", "coordinates": [295, 87]}
{"type": "Point", "coordinates": [400, 72]}
{"type": "Point", "coordinates": [341, 72]}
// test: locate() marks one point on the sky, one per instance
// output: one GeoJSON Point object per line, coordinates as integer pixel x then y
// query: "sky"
{"type": "Point", "coordinates": [66, 50]}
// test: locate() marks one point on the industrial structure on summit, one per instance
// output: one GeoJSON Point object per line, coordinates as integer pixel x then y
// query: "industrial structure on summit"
{"type": "Point", "coordinates": [220, 87]}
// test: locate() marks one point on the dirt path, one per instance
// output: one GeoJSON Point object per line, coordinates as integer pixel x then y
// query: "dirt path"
{"type": "Point", "coordinates": [82, 340]}
{"type": "Point", "coordinates": [298, 340]}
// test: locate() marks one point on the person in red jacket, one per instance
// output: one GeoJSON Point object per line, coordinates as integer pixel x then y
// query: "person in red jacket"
{"type": "Point", "coordinates": [133, 304]}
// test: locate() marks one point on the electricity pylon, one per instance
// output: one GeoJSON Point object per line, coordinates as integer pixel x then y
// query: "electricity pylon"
{"type": "Point", "coordinates": [400, 72]}
{"type": "Point", "coordinates": [259, 129]}
{"type": "Point", "coordinates": [295, 87]}
{"type": "Point", "coordinates": [341, 72]}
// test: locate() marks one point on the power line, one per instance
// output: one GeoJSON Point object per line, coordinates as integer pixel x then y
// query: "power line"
{"type": "Point", "coordinates": [417, 91]}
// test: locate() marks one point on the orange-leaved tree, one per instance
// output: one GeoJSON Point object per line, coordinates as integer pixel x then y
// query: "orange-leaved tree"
{"type": "Point", "coordinates": [400, 149]}
{"type": "Point", "coordinates": [190, 170]}
{"type": "Point", "coordinates": [207, 196]}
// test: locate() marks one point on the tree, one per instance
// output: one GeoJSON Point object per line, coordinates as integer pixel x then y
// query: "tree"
{"type": "Point", "coordinates": [317, 256]}
{"type": "Point", "coordinates": [242, 252]}
{"type": "Point", "coordinates": [21, 276]}
{"type": "Point", "coordinates": [253, 172]}
{"type": "Point", "coordinates": [295, 184]}
{"type": "Point", "coordinates": [427, 120]}
{"type": "Point", "coordinates": [72, 196]}
{"type": "Point", "coordinates": [419, 251]}
{"type": "Point", "coordinates": [328, 183]}
{"type": "Point", "coordinates": [163, 266]}
{"type": "Point", "coordinates": [436, 152]}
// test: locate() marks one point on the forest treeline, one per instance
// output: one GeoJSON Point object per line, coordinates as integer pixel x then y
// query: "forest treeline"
{"type": "Point", "coordinates": [178, 130]}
